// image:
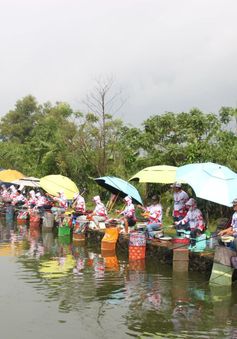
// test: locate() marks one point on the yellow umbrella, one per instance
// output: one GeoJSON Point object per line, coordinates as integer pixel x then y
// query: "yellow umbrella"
{"type": "Point", "coordinates": [10, 249]}
{"type": "Point", "coordinates": [162, 174]}
{"type": "Point", "coordinates": [58, 183]}
{"type": "Point", "coordinates": [9, 175]}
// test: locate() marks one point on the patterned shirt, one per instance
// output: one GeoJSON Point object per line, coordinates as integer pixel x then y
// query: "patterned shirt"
{"type": "Point", "coordinates": [180, 199]}
{"type": "Point", "coordinates": [155, 213]}
{"type": "Point", "coordinates": [195, 219]}
{"type": "Point", "coordinates": [234, 223]}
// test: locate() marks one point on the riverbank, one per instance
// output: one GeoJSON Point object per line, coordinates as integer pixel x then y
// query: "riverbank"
{"type": "Point", "coordinates": [163, 251]}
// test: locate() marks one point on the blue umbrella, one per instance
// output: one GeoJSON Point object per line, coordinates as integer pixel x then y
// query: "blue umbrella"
{"type": "Point", "coordinates": [119, 187]}
{"type": "Point", "coordinates": [210, 181]}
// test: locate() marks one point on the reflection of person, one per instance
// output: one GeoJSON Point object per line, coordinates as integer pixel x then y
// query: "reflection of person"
{"type": "Point", "coordinates": [129, 217]}
{"type": "Point", "coordinates": [193, 220]}
{"type": "Point", "coordinates": [232, 230]}
{"type": "Point", "coordinates": [180, 199]}
{"type": "Point", "coordinates": [154, 215]}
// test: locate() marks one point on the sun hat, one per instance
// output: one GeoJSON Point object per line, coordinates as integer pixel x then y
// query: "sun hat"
{"type": "Point", "coordinates": [234, 202]}
{"type": "Point", "coordinates": [176, 185]}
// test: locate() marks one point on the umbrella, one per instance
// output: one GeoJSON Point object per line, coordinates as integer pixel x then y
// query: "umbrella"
{"type": "Point", "coordinates": [27, 181]}
{"type": "Point", "coordinates": [119, 187]}
{"type": "Point", "coordinates": [57, 183]}
{"type": "Point", "coordinates": [210, 181]}
{"type": "Point", "coordinates": [163, 174]}
{"type": "Point", "coordinates": [9, 175]}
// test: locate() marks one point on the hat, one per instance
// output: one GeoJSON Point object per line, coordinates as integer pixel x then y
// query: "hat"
{"type": "Point", "coordinates": [234, 202]}
{"type": "Point", "coordinates": [127, 199]}
{"type": "Point", "coordinates": [176, 185]}
{"type": "Point", "coordinates": [155, 197]}
{"type": "Point", "coordinates": [96, 199]}
{"type": "Point", "coordinates": [191, 202]}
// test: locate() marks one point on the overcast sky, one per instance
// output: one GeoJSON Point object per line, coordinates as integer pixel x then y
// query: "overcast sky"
{"type": "Point", "coordinates": [165, 55]}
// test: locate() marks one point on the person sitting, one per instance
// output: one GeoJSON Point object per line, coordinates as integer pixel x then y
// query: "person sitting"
{"type": "Point", "coordinates": [129, 218]}
{"type": "Point", "coordinates": [79, 204]}
{"type": "Point", "coordinates": [193, 221]}
{"type": "Point", "coordinates": [99, 213]}
{"type": "Point", "coordinates": [62, 201]}
{"type": "Point", "coordinates": [154, 215]}
{"type": "Point", "coordinates": [18, 199]}
{"type": "Point", "coordinates": [232, 229]}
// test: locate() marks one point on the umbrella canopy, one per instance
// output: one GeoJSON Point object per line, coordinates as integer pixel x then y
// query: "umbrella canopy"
{"type": "Point", "coordinates": [9, 175]}
{"type": "Point", "coordinates": [57, 183]}
{"type": "Point", "coordinates": [27, 181]}
{"type": "Point", "coordinates": [119, 187]}
{"type": "Point", "coordinates": [156, 174]}
{"type": "Point", "coordinates": [210, 181]}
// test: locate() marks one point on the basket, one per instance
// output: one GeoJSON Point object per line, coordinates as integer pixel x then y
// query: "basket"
{"type": "Point", "coordinates": [64, 230]}
{"type": "Point", "coordinates": [137, 265]}
{"type": "Point", "coordinates": [137, 252]}
{"type": "Point", "coordinates": [78, 237]}
{"type": "Point", "coordinates": [181, 240]}
{"type": "Point", "coordinates": [108, 245]}
{"type": "Point", "coordinates": [35, 224]}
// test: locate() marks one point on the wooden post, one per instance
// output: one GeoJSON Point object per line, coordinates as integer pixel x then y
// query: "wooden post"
{"type": "Point", "coordinates": [180, 259]}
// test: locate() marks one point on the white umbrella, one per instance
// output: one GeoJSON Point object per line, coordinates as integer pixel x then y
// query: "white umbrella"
{"type": "Point", "coordinates": [27, 181]}
{"type": "Point", "coordinates": [210, 181]}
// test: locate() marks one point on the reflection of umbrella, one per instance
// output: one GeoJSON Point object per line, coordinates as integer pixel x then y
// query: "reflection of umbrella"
{"type": "Point", "coordinates": [57, 268]}
{"type": "Point", "coordinates": [156, 174]}
{"type": "Point", "coordinates": [27, 181]}
{"type": "Point", "coordinates": [210, 181]}
{"type": "Point", "coordinates": [119, 187]}
{"type": "Point", "coordinates": [10, 175]}
{"type": "Point", "coordinates": [57, 183]}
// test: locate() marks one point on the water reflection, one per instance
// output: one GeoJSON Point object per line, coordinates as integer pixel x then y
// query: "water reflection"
{"type": "Point", "coordinates": [139, 298]}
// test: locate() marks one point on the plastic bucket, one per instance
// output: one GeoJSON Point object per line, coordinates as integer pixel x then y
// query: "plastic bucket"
{"type": "Point", "coordinates": [64, 230]}
{"type": "Point", "coordinates": [137, 252]}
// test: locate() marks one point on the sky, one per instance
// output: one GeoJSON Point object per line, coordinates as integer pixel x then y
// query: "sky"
{"type": "Point", "coordinates": [163, 55]}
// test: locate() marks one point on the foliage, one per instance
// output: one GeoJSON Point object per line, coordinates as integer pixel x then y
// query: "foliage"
{"type": "Point", "coordinates": [41, 139]}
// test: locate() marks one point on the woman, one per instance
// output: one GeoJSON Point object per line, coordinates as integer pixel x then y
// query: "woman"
{"type": "Point", "coordinates": [193, 220]}
{"type": "Point", "coordinates": [100, 211]}
{"type": "Point", "coordinates": [232, 230]}
{"type": "Point", "coordinates": [154, 215]}
{"type": "Point", "coordinates": [129, 217]}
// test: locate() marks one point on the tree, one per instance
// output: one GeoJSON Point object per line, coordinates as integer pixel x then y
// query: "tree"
{"type": "Point", "coordinates": [18, 124]}
{"type": "Point", "coordinates": [102, 103]}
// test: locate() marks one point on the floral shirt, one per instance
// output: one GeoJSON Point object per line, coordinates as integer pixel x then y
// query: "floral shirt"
{"type": "Point", "coordinates": [155, 213]}
{"type": "Point", "coordinates": [195, 219]}
{"type": "Point", "coordinates": [100, 210]}
{"type": "Point", "coordinates": [129, 211]}
{"type": "Point", "coordinates": [180, 199]}
{"type": "Point", "coordinates": [234, 223]}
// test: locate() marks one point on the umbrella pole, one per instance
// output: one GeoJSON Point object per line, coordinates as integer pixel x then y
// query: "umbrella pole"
{"type": "Point", "coordinates": [111, 202]}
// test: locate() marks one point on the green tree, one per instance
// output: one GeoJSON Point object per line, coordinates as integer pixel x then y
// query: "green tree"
{"type": "Point", "coordinates": [18, 124]}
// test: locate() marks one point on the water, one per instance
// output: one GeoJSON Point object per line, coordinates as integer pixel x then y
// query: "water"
{"type": "Point", "coordinates": [57, 289]}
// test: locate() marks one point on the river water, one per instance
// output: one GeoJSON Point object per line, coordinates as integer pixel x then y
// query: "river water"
{"type": "Point", "coordinates": [54, 288]}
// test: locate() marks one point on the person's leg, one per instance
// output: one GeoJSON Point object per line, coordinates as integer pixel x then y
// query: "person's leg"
{"type": "Point", "coordinates": [150, 228]}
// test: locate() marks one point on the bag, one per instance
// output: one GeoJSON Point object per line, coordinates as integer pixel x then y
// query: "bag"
{"type": "Point", "coordinates": [234, 262]}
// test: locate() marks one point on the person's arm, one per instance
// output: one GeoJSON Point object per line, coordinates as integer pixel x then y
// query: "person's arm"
{"type": "Point", "coordinates": [227, 231]}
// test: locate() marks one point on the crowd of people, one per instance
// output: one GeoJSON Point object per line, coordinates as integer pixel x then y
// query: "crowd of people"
{"type": "Point", "coordinates": [186, 215]}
